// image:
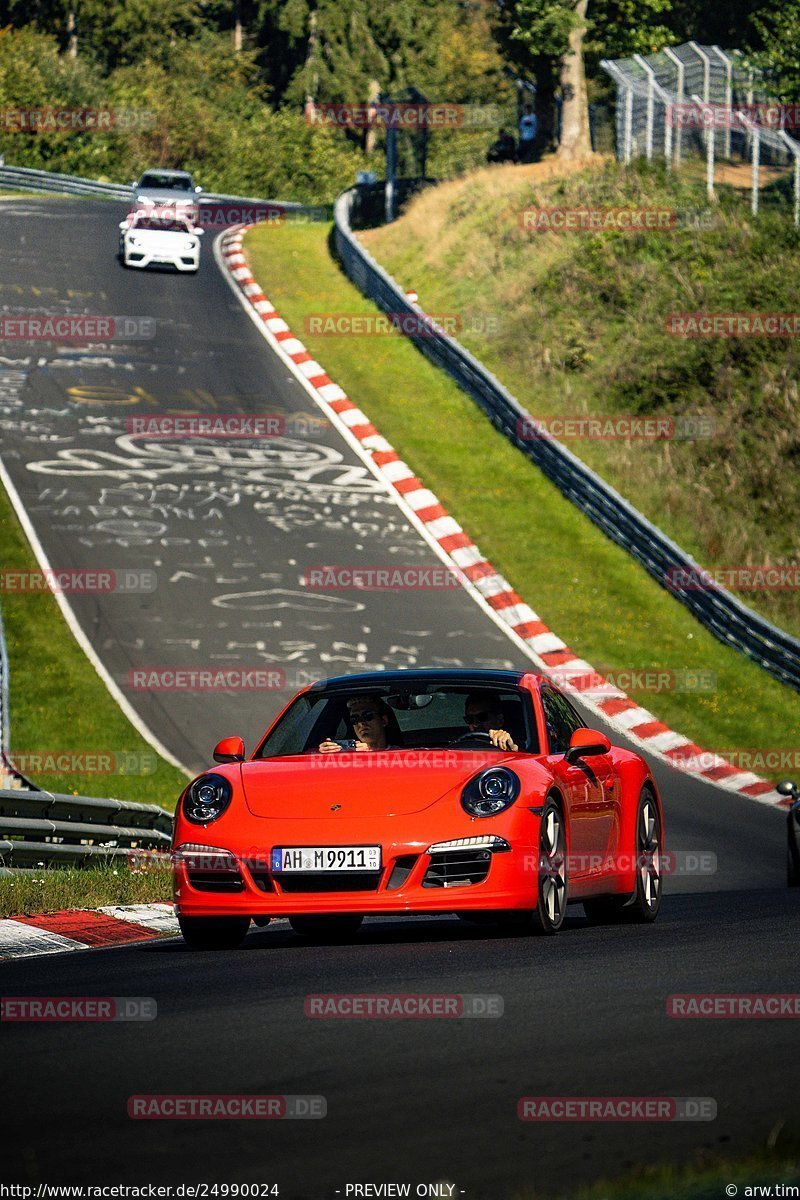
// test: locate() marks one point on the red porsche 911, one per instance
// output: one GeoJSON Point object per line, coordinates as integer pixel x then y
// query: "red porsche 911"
{"type": "Point", "coordinates": [479, 793]}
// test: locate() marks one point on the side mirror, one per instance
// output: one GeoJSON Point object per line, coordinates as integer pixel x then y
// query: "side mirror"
{"type": "Point", "coordinates": [788, 787]}
{"type": "Point", "coordinates": [123, 224]}
{"type": "Point", "coordinates": [198, 189]}
{"type": "Point", "coordinates": [230, 749]}
{"type": "Point", "coordinates": [133, 183]}
{"type": "Point", "coordinates": [586, 742]}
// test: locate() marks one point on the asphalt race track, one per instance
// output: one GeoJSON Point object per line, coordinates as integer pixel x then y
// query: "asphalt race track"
{"type": "Point", "coordinates": [229, 532]}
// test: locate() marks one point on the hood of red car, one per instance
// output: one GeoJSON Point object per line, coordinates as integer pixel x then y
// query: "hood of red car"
{"type": "Point", "coordinates": [361, 784]}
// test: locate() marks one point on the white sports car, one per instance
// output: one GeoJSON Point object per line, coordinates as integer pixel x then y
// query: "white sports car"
{"type": "Point", "coordinates": [174, 188]}
{"type": "Point", "coordinates": [170, 240]}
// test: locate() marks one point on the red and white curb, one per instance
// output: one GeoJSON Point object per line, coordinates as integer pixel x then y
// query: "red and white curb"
{"type": "Point", "coordinates": [58, 933]}
{"type": "Point", "coordinates": [456, 548]}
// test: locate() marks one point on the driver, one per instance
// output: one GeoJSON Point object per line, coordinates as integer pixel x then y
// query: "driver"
{"type": "Point", "coordinates": [483, 713]}
{"type": "Point", "coordinates": [372, 721]}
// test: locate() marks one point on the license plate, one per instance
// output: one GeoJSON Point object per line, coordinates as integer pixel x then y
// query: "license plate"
{"type": "Point", "coordinates": [299, 859]}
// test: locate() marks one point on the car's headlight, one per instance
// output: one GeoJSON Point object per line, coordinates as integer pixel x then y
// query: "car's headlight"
{"type": "Point", "coordinates": [190, 244]}
{"type": "Point", "coordinates": [206, 799]}
{"type": "Point", "coordinates": [132, 241]}
{"type": "Point", "coordinates": [491, 792]}
{"type": "Point", "coordinates": [197, 857]}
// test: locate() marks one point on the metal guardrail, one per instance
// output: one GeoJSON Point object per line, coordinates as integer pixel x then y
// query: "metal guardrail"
{"type": "Point", "coordinates": [30, 180]}
{"type": "Point", "coordinates": [49, 829]}
{"type": "Point", "coordinates": [722, 614]}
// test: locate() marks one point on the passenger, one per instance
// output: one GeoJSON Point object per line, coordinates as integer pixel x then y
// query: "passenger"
{"type": "Point", "coordinates": [483, 713]}
{"type": "Point", "coordinates": [374, 725]}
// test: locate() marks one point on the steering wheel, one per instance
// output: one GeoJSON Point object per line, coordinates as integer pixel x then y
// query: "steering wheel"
{"type": "Point", "coordinates": [474, 735]}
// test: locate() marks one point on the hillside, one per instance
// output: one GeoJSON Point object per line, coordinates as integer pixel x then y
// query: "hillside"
{"type": "Point", "coordinates": [575, 324]}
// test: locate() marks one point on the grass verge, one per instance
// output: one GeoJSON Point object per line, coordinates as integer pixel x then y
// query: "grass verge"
{"type": "Point", "coordinates": [584, 587]}
{"type": "Point", "coordinates": [708, 1177]}
{"type": "Point", "coordinates": [95, 887]}
{"type": "Point", "coordinates": [59, 703]}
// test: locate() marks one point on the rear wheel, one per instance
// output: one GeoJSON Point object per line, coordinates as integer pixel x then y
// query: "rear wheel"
{"type": "Point", "coordinates": [792, 869]}
{"type": "Point", "coordinates": [643, 905]}
{"type": "Point", "coordinates": [327, 929]}
{"type": "Point", "coordinates": [214, 933]}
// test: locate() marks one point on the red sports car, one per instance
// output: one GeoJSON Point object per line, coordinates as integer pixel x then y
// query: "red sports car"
{"type": "Point", "coordinates": [479, 793]}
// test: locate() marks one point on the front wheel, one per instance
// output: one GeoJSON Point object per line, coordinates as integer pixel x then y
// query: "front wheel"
{"type": "Point", "coordinates": [327, 929]}
{"type": "Point", "coordinates": [214, 933]}
{"type": "Point", "coordinates": [552, 884]}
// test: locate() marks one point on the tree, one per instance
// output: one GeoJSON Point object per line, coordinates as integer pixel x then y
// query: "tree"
{"type": "Point", "coordinates": [778, 29]}
{"type": "Point", "coordinates": [549, 39]}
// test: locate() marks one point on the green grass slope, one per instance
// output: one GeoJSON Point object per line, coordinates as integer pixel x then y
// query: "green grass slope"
{"type": "Point", "coordinates": [580, 330]}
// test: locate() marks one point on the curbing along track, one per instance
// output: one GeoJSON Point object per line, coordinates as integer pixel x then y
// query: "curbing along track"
{"type": "Point", "coordinates": [61, 932]}
{"type": "Point", "coordinates": [480, 579]}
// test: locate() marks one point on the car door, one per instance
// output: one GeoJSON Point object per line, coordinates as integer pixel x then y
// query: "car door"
{"type": "Point", "coordinates": [590, 787]}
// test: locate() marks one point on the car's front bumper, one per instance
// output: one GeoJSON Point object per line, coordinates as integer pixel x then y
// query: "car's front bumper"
{"type": "Point", "coordinates": [190, 261]}
{"type": "Point", "coordinates": [411, 880]}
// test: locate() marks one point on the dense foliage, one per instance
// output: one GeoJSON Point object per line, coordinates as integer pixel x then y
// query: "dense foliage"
{"type": "Point", "coordinates": [225, 81]}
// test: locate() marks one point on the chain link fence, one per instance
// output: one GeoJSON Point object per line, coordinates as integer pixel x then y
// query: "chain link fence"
{"type": "Point", "coordinates": [703, 104]}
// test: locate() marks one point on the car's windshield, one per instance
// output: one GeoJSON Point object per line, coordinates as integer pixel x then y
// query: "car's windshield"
{"type": "Point", "coordinates": [162, 224]}
{"type": "Point", "coordinates": [176, 183]}
{"type": "Point", "coordinates": [432, 716]}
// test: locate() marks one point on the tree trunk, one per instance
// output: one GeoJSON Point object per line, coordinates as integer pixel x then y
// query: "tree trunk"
{"type": "Point", "coordinates": [575, 141]}
{"type": "Point", "coordinates": [311, 70]}
{"type": "Point", "coordinates": [372, 133]}
{"type": "Point", "coordinates": [72, 35]}
{"type": "Point", "coordinates": [237, 27]}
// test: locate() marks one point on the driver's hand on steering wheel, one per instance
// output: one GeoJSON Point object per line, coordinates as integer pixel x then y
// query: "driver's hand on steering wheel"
{"type": "Point", "coordinates": [329, 747]}
{"type": "Point", "coordinates": [502, 739]}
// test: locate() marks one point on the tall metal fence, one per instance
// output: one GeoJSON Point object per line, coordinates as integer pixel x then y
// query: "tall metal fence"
{"type": "Point", "coordinates": [726, 617]}
{"type": "Point", "coordinates": [703, 103]}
